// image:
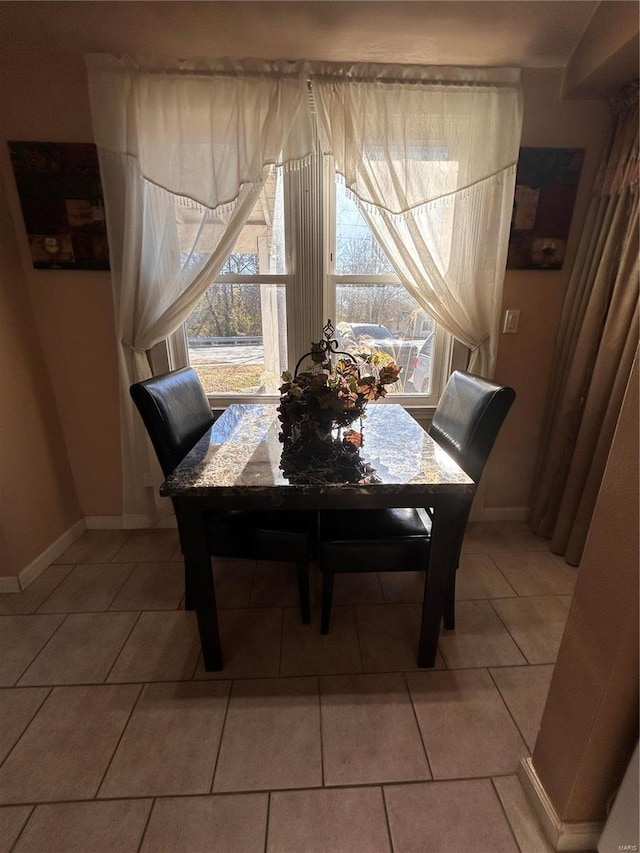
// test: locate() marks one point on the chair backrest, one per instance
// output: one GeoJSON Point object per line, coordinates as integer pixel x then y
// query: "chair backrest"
{"type": "Point", "coordinates": [468, 418]}
{"type": "Point", "coordinates": [176, 413]}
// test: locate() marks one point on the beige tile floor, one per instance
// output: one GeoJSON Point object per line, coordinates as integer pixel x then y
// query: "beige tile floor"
{"type": "Point", "coordinates": [114, 737]}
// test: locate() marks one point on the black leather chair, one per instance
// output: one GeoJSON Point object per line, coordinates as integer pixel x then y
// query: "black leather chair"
{"type": "Point", "coordinates": [176, 413]}
{"type": "Point", "coordinates": [466, 423]}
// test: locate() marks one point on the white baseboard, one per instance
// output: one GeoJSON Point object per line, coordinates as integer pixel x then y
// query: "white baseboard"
{"type": "Point", "coordinates": [117, 522]}
{"type": "Point", "coordinates": [41, 562]}
{"type": "Point", "coordinates": [167, 521]}
{"type": "Point", "coordinates": [9, 583]}
{"type": "Point", "coordinates": [127, 522]}
{"type": "Point", "coordinates": [561, 835]}
{"type": "Point", "coordinates": [503, 513]}
{"type": "Point", "coordinates": [16, 583]}
{"type": "Point", "coordinates": [481, 512]}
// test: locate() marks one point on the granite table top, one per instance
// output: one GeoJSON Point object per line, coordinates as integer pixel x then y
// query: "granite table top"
{"type": "Point", "coordinates": [237, 463]}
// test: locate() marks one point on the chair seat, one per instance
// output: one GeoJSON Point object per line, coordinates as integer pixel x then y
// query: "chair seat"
{"type": "Point", "coordinates": [270, 535]}
{"type": "Point", "coordinates": [372, 524]}
{"type": "Point", "coordinates": [386, 540]}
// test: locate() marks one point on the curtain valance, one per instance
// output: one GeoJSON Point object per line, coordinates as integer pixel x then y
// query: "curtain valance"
{"type": "Point", "coordinates": [402, 143]}
{"type": "Point", "coordinates": [201, 129]}
{"type": "Point", "coordinates": [410, 115]}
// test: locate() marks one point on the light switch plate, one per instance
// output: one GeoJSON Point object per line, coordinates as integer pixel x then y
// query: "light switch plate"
{"type": "Point", "coordinates": [511, 320]}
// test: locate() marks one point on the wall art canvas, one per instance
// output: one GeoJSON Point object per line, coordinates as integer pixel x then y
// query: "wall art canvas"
{"type": "Point", "coordinates": [62, 204]}
{"type": "Point", "coordinates": [546, 188]}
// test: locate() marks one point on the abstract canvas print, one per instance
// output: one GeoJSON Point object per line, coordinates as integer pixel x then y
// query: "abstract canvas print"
{"type": "Point", "coordinates": [546, 187]}
{"type": "Point", "coordinates": [62, 205]}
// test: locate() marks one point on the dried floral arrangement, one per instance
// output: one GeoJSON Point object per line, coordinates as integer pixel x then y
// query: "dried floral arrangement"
{"type": "Point", "coordinates": [316, 403]}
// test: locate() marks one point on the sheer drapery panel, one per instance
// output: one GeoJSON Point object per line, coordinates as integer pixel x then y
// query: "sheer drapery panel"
{"type": "Point", "coordinates": [184, 148]}
{"type": "Point", "coordinates": [431, 163]}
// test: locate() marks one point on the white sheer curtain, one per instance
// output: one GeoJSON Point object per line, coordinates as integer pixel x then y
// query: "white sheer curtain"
{"type": "Point", "coordinates": [430, 155]}
{"type": "Point", "coordinates": [184, 149]}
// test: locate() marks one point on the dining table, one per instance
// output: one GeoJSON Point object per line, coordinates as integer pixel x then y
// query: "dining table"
{"type": "Point", "coordinates": [237, 465]}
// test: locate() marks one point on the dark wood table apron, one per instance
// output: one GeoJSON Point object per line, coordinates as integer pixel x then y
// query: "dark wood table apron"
{"type": "Point", "coordinates": [236, 466]}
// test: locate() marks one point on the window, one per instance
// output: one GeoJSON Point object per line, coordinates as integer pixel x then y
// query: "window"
{"type": "Point", "coordinates": [268, 301]}
{"type": "Point", "coordinates": [373, 308]}
{"type": "Point", "coordinates": [236, 336]}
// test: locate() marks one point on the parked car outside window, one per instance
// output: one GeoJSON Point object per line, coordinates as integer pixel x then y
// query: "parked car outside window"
{"type": "Point", "coordinates": [423, 367]}
{"type": "Point", "coordinates": [375, 336]}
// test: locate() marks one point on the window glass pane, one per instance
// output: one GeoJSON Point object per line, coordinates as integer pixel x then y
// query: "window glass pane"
{"type": "Point", "coordinates": [384, 317]}
{"type": "Point", "coordinates": [357, 251]}
{"type": "Point", "coordinates": [260, 247]}
{"type": "Point", "coordinates": [379, 316]}
{"type": "Point", "coordinates": [237, 338]}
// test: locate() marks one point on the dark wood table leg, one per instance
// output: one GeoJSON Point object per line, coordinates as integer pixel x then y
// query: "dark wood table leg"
{"type": "Point", "coordinates": [441, 564]}
{"type": "Point", "coordinates": [198, 569]}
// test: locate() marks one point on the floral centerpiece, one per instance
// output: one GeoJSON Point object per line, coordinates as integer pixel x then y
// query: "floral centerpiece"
{"type": "Point", "coordinates": [318, 405]}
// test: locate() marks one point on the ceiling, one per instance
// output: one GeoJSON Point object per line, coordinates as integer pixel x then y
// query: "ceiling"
{"type": "Point", "coordinates": [524, 33]}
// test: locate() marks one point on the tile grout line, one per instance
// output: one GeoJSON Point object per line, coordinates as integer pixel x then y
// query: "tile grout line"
{"type": "Point", "coordinates": [511, 717]}
{"type": "Point", "coordinates": [124, 582]}
{"type": "Point", "coordinates": [199, 657]}
{"type": "Point", "coordinates": [222, 729]}
{"type": "Point", "coordinates": [502, 575]}
{"type": "Point", "coordinates": [120, 547]}
{"type": "Point", "coordinates": [117, 746]}
{"type": "Point", "coordinates": [137, 531]}
{"type": "Point", "coordinates": [146, 823]}
{"type": "Point", "coordinates": [42, 648]}
{"type": "Point", "coordinates": [35, 612]}
{"type": "Point", "coordinates": [24, 826]}
{"type": "Point", "coordinates": [31, 719]}
{"type": "Point", "coordinates": [126, 640]}
{"type": "Point", "coordinates": [440, 649]}
{"type": "Point", "coordinates": [94, 610]}
{"type": "Point", "coordinates": [266, 827]}
{"type": "Point", "coordinates": [504, 624]}
{"type": "Point", "coordinates": [321, 737]}
{"type": "Point", "coordinates": [506, 705]}
{"type": "Point", "coordinates": [506, 814]}
{"type": "Point", "coordinates": [415, 716]}
{"type": "Point", "coordinates": [534, 573]}
{"type": "Point", "coordinates": [137, 566]}
{"type": "Point", "coordinates": [250, 791]}
{"type": "Point", "coordinates": [338, 673]}
{"type": "Point", "coordinates": [386, 817]}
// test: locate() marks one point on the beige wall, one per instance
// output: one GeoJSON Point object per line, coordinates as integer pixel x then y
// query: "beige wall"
{"type": "Point", "coordinates": [38, 501]}
{"type": "Point", "coordinates": [590, 723]}
{"type": "Point", "coordinates": [44, 97]}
